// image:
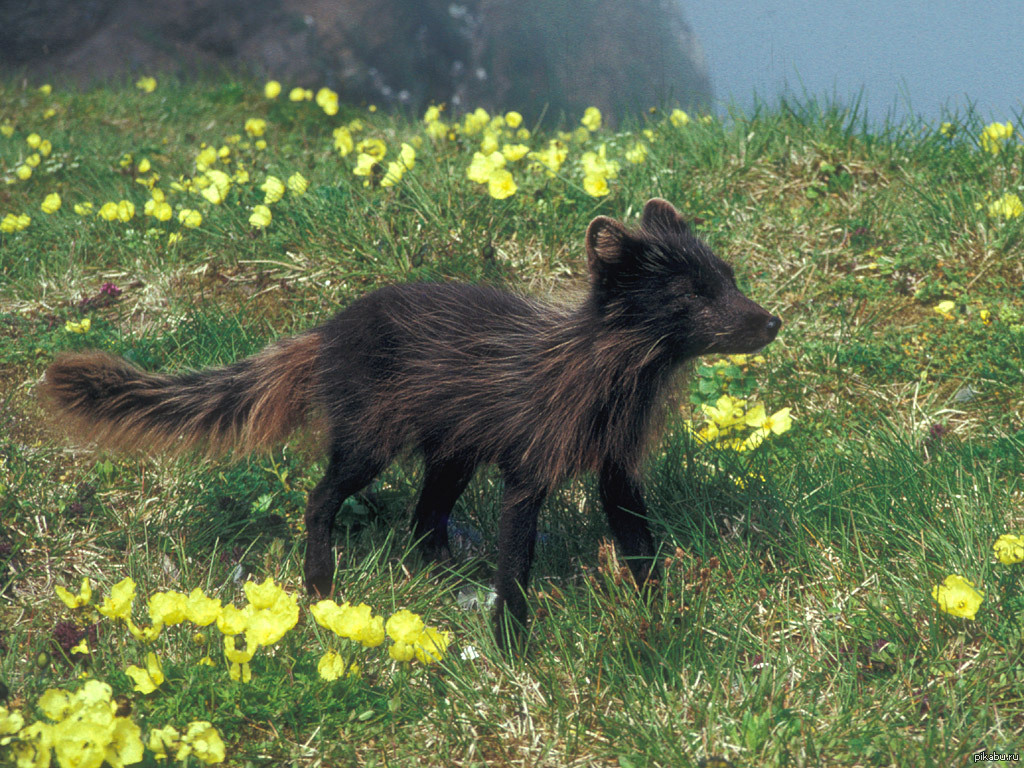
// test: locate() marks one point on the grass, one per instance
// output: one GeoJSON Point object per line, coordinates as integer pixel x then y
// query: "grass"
{"type": "Point", "coordinates": [794, 624]}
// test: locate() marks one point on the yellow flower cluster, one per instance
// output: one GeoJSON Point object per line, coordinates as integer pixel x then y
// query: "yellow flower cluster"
{"type": "Point", "coordinates": [41, 148]}
{"type": "Point", "coordinates": [414, 639]}
{"type": "Point", "coordinates": [269, 614]}
{"type": "Point", "coordinates": [82, 729]}
{"type": "Point", "coordinates": [1009, 206]}
{"type": "Point", "coordinates": [597, 169]}
{"type": "Point", "coordinates": [995, 136]}
{"type": "Point", "coordinates": [15, 222]}
{"type": "Point", "coordinates": [488, 166]}
{"type": "Point", "coordinates": [729, 418]}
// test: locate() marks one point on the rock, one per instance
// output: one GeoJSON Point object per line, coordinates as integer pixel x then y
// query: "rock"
{"type": "Point", "coordinates": [552, 57]}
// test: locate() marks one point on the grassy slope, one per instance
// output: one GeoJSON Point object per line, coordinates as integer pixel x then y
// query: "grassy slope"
{"type": "Point", "coordinates": [794, 625]}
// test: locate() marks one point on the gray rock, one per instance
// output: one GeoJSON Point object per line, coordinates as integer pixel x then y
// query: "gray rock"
{"type": "Point", "coordinates": [536, 56]}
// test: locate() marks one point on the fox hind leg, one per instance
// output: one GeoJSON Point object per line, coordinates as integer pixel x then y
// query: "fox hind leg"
{"type": "Point", "coordinates": [443, 483]}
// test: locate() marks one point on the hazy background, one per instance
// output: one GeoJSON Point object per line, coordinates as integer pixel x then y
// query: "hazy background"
{"type": "Point", "coordinates": [909, 56]}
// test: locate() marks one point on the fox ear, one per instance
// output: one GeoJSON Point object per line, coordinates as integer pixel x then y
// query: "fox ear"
{"type": "Point", "coordinates": [661, 214]}
{"type": "Point", "coordinates": [606, 242]}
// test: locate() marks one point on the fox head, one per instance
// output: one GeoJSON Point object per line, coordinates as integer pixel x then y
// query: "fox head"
{"type": "Point", "coordinates": [664, 281]}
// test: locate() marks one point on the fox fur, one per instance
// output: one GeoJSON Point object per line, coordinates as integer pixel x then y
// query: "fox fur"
{"type": "Point", "coordinates": [465, 375]}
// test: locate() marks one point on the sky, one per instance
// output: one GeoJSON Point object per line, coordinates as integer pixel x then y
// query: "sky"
{"type": "Point", "coordinates": [902, 57]}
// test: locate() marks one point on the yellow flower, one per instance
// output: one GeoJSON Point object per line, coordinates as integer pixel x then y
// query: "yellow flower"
{"type": "Point", "coordinates": [149, 679]}
{"type": "Point", "coordinates": [995, 135]}
{"type": "Point", "coordinates": [591, 118]}
{"type": "Point", "coordinates": [51, 203]}
{"type": "Point", "coordinates": [404, 626]}
{"type": "Point", "coordinates": [217, 191]}
{"type": "Point", "coordinates": [272, 89]}
{"type": "Point", "coordinates": [23, 172]}
{"type": "Point", "coordinates": [125, 210]}
{"type": "Point", "coordinates": [83, 209]}
{"type": "Point", "coordinates": [354, 622]}
{"type": "Point", "coordinates": [595, 186]}
{"type": "Point", "coordinates": [190, 218]}
{"type": "Point", "coordinates": [364, 164]}
{"type": "Point", "coordinates": [327, 100]}
{"type": "Point", "coordinates": [233, 620]}
{"type": "Point", "coordinates": [637, 153]}
{"type": "Point", "coordinates": [200, 609]}
{"type": "Point", "coordinates": [332, 666]}
{"type": "Point", "coordinates": [407, 156]}
{"type": "Point", "coordinates": [147, 84]}
{"type": "Point", "coordinates": [273, 190]}
{"type": "Point", "coordinates": [597, 164]}
{"type": "Point", "coordinates": [173, 238]}
{"type": "Point", "coordinates": [144, 165]}
{"type": "Point", "coordinates": [203, 741]}
{"type": "Point", "coordinates": [45, 148]}
{"type": "Point", "coordinates": [679, 118]}
{"type": "Point", "coordinates": [79, 327]}
{"type": "Point", "coordinates": [207, 157]}
{"type": "Point", "coordinates": [162, 741]}
{"type": "Point", "coordinates": [948, 130]}
{"type": "Point", "coordinates": [167, 607]}
{"type": "Point", "coordinates": [1008, 206]}
{"type": "Point", "coordinates": [945, 308]}
{"type": "Point", "coordinates": [373, 147]}
{"type": "Point", "coordinates": [475, 121]}
{"type": "Point", "coordinates": [300, 94]}
{"type": "Point", "coordinates": [298, 184]}
{"type": "Point", "coordinates": [500, 184]}
{"type": "Point", "coordinates": [1009, 549]}
{"type": "Point", "coordinates": [255, 126]}
{"type": "Point", "coordinates": [513, 119]}
{"type": "Point", "coordinates": [46, 89]}
{"type": "Point", "coordinates": [514, 152]}
{"type": "Point", "coordinates": [260, 218]}
{"type": "Point", "coordinates": [343, 140]}
{"type": "Point", "coordinates": [432, 115]}
{"type": "Point", "coordinates": [144, 634]}
{"type": "Point", "coordinates": [483, 166]}
{"type": "Point", "coordinates": [273, 612]}
{"type": "Point", "coordinates": [76, 601]}
{"type": "Point", "coordinates": [393, 175]}
{"type": "Point", "coordinates": [118, 602]}
{"type": "Point", "coordinates": [158, 209]}
{"type": "Point", "coordinates": [7, 129]}
{"type": "Point", "coordinates": [431, 645]}
{"type": "Point", "coordinates": [958, 597]}
{"type": "Point", "coordinates": [34, 140]}
{"type": "Point", "coordinates": [33, 160]}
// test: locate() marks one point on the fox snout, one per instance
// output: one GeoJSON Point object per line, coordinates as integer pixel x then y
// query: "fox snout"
{"type": "Point", "coordinates": [758, 329]}
{"type": "Point", "coordinates": [745, 327]}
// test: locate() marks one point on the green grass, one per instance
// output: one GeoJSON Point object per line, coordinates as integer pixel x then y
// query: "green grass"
{"type": "Point", "coordinates": [794, 624]}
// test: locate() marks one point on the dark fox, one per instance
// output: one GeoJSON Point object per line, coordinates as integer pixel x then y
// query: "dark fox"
{"type": "Point", "coordinates": [465, 375]}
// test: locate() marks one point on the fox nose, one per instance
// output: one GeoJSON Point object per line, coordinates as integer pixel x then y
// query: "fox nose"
{"type": "Point", "coordinates": [773, 325]}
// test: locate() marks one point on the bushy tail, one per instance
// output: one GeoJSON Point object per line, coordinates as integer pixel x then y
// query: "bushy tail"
{"type": "Point", "coordinates": [247, 406]}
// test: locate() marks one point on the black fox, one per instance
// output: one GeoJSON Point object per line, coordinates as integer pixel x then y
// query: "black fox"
{"type": "Point", "coordinates": [465, 375]}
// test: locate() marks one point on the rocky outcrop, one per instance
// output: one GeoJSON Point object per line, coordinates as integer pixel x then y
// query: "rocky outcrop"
{"type": "Point", "coordinates": [531, 55]}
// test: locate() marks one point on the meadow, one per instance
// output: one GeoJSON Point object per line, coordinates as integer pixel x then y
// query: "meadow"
{"type": "Point", "coordinates": [832, 591]}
